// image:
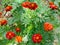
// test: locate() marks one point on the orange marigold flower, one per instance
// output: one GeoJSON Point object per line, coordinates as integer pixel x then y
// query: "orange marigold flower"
{"type": "Point", "coordinates": [48, 26]}
{"type": "Point", "coordinates": [18, 39]}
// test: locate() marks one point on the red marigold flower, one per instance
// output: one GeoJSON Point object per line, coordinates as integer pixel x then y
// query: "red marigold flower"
{"type": "Point", "coordinates": [17, 29]}
{"type": "Point", "coordinates": [10, 35]}
{"type": "Point", "coordinates": [48, 26]}
{"type": "Point", "coordinates": [37, 38]}
{"type": "Point", "coordinates": [51, 3]}
{"type": "Point", "coordinates": [26, 4]}
{"type": "Point", "coordinates": [33, 6]}
{"type": "Point", "coordinates": [0, 14]}
{"type": "Point", "coordinates": [53, 7]}
{"type": "Point", "coordinates": [3, 22]}
{"type": "Point", "coordinates": [8, 8]}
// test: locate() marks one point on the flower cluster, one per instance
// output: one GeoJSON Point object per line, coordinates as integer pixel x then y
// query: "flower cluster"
{"type": "Point", "coordinates": [52, 6]}
{"type": "Point", "coordinates": [30, 5]}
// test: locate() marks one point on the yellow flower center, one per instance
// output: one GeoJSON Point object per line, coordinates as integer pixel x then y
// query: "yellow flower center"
{"type": "Point", "coordinates": [37, 37]}
{"type": "Point", "coordinates": [9, 33]}
{"type": "Point", "coordinates": [32, 5]}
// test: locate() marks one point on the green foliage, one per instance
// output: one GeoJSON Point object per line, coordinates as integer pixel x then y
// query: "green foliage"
{"type": "Point", "coordinates": [30, 21]}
